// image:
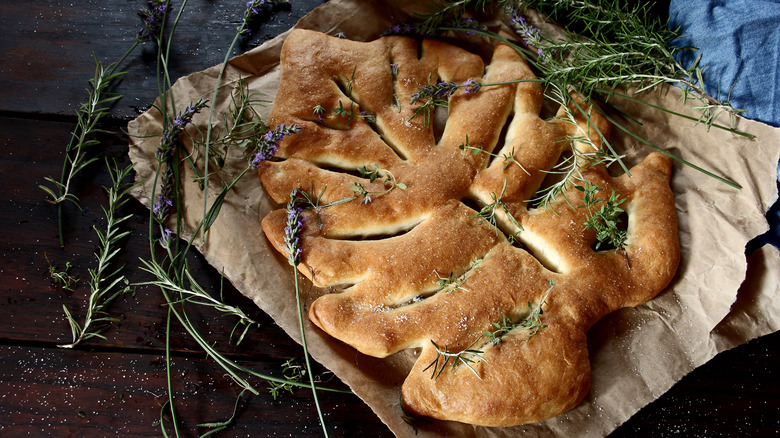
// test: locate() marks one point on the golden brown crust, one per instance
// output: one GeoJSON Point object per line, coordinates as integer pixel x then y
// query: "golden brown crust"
{"type": "Point", "coordinates": [434, 275]}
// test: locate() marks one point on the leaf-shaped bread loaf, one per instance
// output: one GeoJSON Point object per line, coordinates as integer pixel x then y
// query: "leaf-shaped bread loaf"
{"type": "Point", "coordinates": [419, 267]}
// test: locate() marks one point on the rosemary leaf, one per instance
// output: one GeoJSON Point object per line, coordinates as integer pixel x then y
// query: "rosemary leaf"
{"type": "Point", "coordinates": [104, 285]}
{"type": "Point", "coordinates": [88, 118]}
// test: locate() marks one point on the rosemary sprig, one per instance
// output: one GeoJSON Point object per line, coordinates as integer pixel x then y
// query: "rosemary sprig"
{"type": "Point", "coordinates": [605, 220]}
{"type": "Point", "coordinates": [509, 159]}
{"type": "Point", "coordinates": [62, 277]}
{"type": "Point", "coordinates": [98, 105]}
{"type": "Point", "coordinates": [311, 202]}
{"type": "Point", "coordinates": [625, 44]}
{"type": "Point", "coordinates": [585, 155]}
{"type": "Point", "coordinates": [292, 372]}
{"type": "Point", "coordinates": [88, 123]}
{"type": "Point", "coordinates": [372, 173]}
{"type": "Point", "coordinates": [292, 244]}
{"type": "Point", "coordinates": [351, 114]}
{"type": "Point", "coordinates": [243, 127]}
{"type": "Point", "coordinates": [196, 294]}
{"type": "Point", "coordinates": [466, 357]}
{"type": "Point", "coordinates": [341, 111]}
{"type": "Point", "coordinates": [490, 210]}
{"type": "Point", "coordinates": [104, 285]}
{"type": "Point", "coordinates": [532, 323]}
{"type": "Point", "coordinates": [624, 48]}
{"type": "Point", "coordinates": [451, 282]}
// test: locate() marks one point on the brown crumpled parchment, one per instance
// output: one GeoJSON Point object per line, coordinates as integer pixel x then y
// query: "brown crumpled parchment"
{"type": "Point", "coordinates": [718, 300]}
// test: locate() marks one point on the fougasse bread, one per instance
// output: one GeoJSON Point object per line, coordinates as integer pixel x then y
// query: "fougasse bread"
{"type": "Point", "coordinates": [441, 250]}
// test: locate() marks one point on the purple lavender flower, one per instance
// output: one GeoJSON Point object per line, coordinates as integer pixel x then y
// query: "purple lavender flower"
{"type": "Point", "coordinates": [255, 9]}
{"type": "Point", "coordinates": [165, 239]}
{"type": "Point", "coordinates": [408, 29]}
{"type": "Point", "coordinates": [438, 91]}
{"type": "Point", "coordinates": [153, 18]}
{"type": "Point", "coordinates": [269, 143]}
{"type": "Point", "coordinates": [171, 135]}
{"type": "Point", "coordinates": [394, 69]}
{"type": "Point", "coordinates": [292, 232]}
{"type": "Point", "coordinates": [466, 25]}
{"type": "Point", "coordinates": [170, 138]}
{"type": "Point", "coordinates": [471, 86]}
{"type": "Point", "coordinates": [162, 207]}
{"type": "Point", "coordinates": [319, 111]}
{"type": "Point", "coordinates": [529, 33]}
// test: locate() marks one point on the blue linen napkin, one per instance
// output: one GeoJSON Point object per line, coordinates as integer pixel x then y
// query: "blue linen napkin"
{"type": "Point", "coordinates": [739, 44]}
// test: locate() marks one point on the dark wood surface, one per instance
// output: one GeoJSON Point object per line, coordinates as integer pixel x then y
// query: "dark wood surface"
{"type": "Point", "coordinates": [117, 386]}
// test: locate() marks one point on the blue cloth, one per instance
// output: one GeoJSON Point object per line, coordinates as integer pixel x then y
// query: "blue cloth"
{"type": "Point", "coordinates": [739, 42]}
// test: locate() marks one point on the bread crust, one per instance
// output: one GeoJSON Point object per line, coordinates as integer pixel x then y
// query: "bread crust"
{"type": "Point", "coordinates": [388, 260]}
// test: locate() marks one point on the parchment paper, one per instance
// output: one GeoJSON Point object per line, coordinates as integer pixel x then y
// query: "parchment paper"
{"type": "Point", "coordinates": [636, 354]}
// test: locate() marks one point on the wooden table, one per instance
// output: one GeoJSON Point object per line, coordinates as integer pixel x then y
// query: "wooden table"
{"type": "Point", "coordinates": [117, 386]}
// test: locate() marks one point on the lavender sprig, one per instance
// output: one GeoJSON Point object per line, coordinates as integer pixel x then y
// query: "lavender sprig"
{"type": "Point", "coordinates": [153, 18]}
{"type": "Point", "coordinates": [254, 10]}
{"type": "Point", "coordinates": [162, 207]}
{"type": "Point", "coordinates": [292, 244]}
{"type": "Point", "coordinates": [438, 94]}
{"type": "Point", "coordinates": [292, 232]}
{"type": "Point", "coordinates": [170, 138]}
{"type": "Point", "coordinates": [268, 146]}
{"type": "Point", "coordinates": [420, 30]}
{"type": "Point", "coordinates": [531, 35]}
{"type": "Point", "coordinates": [441, 90]}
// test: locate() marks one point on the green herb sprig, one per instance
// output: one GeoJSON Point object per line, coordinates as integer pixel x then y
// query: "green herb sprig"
{"type": "Point", "coordinates": [532, 323]}
{"type": "Point", "coordinates": [242, 127]}
{"type": "Point", "coordinates": [490, 210]}
{"type": "Point", "coordinates": [604, 217]}
{"type": "Point", "coordinates": [63, 278]}
{"type": "Point", "coordinates": [508, 159]}
{"type": "Point", "coordinates": [624, 49]}
{"type": "Point", "coordinates": [451, 282]}
{"type": "Point", "coordinates": [196, 294]}
{"type": "Point", "coordinates": [292, 372]}
{"type": "Point", "coordinates": [350, 113]}
{"type": "Point", "coordinates": [470, 355]}
{"type": "Point", "coordinates": [372, 173]}
{"type": "Point", "coordinates": [104, 283]}
{"type": "Point", "coordinates": [89, 117]}
{"type": "Point", "coordinates": [444, 357]}
{"type": "Point", "coordinates": [625, 44]}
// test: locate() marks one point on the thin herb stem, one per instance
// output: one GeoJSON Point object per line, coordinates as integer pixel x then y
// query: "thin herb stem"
{"type": "Point", "coordinates": [168, 374]}
{"type": "Point", "coordinates": [667, 153]}
{"type": "Point", "coordinates": [674, 113]}
{"type": "Point", "coordinates": [306, 353]}
{"type": "Point", "coordinates": [217, 84]}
